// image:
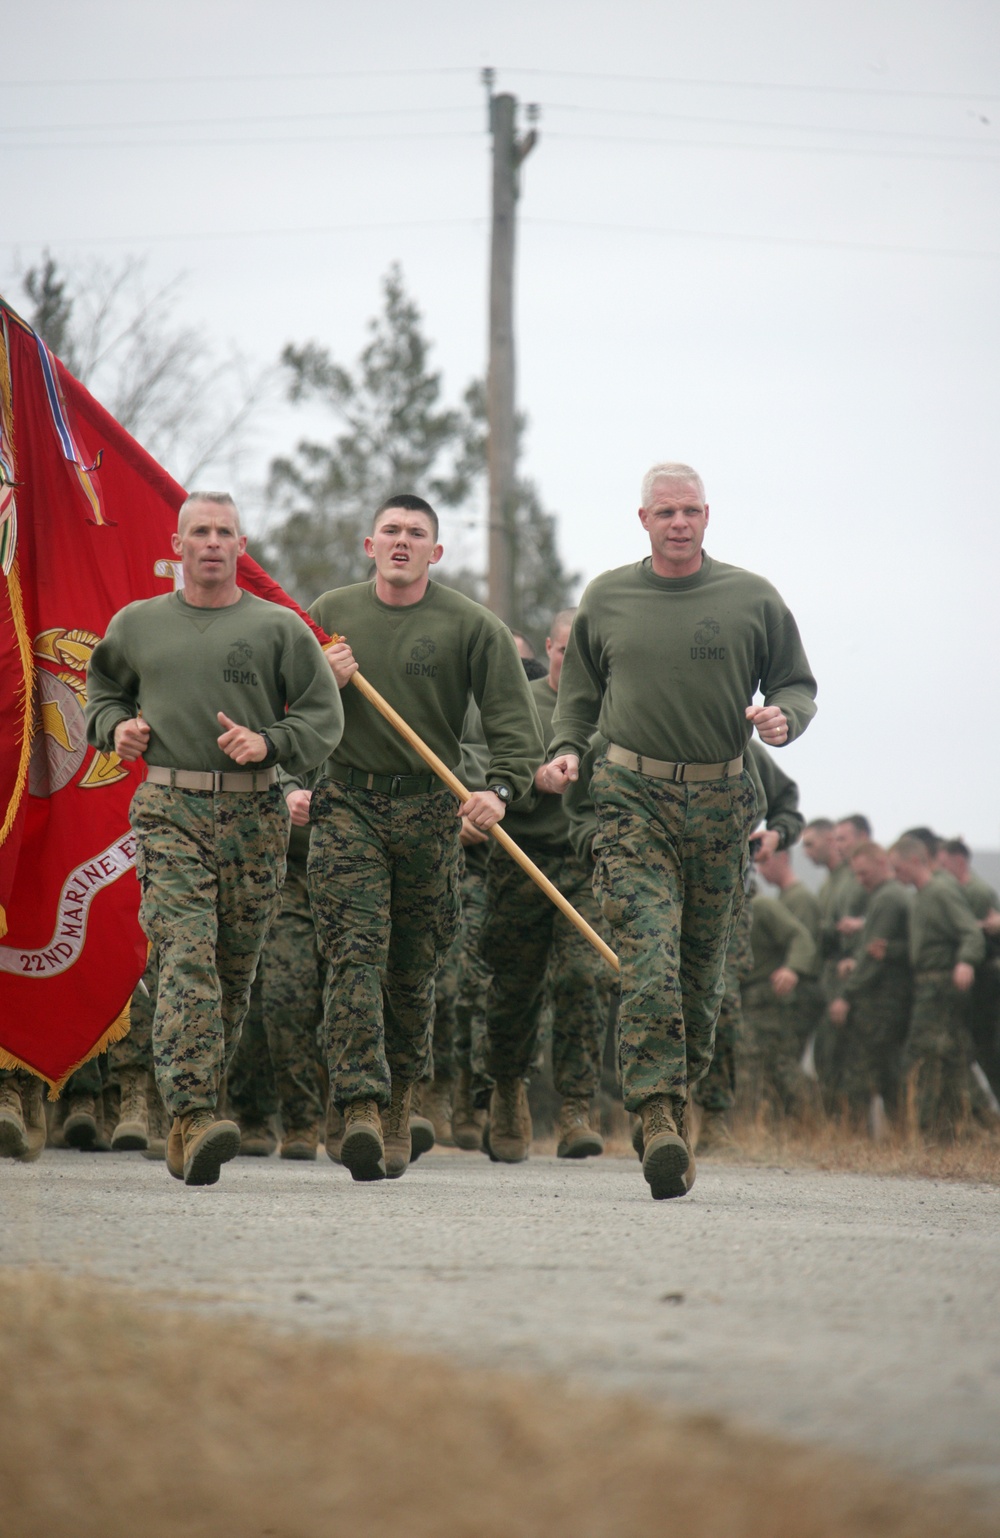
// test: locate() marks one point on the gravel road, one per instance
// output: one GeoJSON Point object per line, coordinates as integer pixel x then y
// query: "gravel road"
{"type": "Point", "coordinates": [853, 1311]}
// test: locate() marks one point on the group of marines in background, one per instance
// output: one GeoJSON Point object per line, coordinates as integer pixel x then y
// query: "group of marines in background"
{"type": "Point", "coordinates": [864, 1001]}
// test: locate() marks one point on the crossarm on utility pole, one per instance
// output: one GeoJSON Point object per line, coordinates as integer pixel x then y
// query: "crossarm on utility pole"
{"type": "Point", "coordinates": [455, 785]}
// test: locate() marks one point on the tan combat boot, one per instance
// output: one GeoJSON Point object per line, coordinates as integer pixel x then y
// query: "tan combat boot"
{"type": "Point", "coordinates": [35, 1125]}
{"type": "Point", "coordinates": [132, 1130]}
{"type": "Point", "coordinates": [714, 1135]}
{"type": "Point", "coordinates": [159, 1124]}
{"type": "Point", "coordinates": [334, 1133]}
{"type": "Point", "coordinates": [80, 1126]}
{"type": "Point", "coordinates": [467, 1122]}
{"type": "Point", "coordinates": [175, 1149]}
{"type": "Point", "coordinates": [13, 1134]}
{"type": "Point", "coordinates": [421, 1126]}
{"type": "Point", "coordinates": [300, 1145]}
{"type": "Point", "coordinates": [437, 1105]}
{"type": "Point", "coordinates": [665, 1156]}
{"type": "Point", "coordinates": [510, 1128]}
{"type": "Point", "coordinates": [208, 1145]}
{"type": "Point", "coordinates": [397, 1131]}
{"type": "Point", "coordinates": [257, 1140]}
{"type": "Point", "coordinates": [577, 1138]}
{"type": "Point", "coordinates": [684, 1119]}
{"type": "Point", "coordinates": [362, 1150]}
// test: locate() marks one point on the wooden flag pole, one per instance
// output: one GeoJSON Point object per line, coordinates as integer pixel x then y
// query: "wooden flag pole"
{"type": "Point", "coordinates": [455, 785]}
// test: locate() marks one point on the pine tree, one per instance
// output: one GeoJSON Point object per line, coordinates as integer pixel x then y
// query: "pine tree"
{"type": "Point", "coordinates": [395, 435]}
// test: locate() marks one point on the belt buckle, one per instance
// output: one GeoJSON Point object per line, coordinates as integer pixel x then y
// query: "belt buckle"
{"type": "Point", "coordinates": [217, 775]}
{"type": "Point", "coordinates": [396, 782]}
{"type": "Point", "coordinates": [678, 774]}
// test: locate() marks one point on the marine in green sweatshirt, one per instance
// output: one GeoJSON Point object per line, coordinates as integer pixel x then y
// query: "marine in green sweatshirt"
{"type": "Point", "coordinates": [532, 949]}
{"type": "Point", "coordinates": [666, 658]}
{"type": "Point", "coordinates": [946, 946]}
{"type": "Point", "coordinates": [384, 863]}
{"type": "Point", "coordinates": [211, 679]}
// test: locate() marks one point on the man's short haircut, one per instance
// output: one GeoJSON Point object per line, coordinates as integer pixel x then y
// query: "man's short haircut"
{"type": "Point", "coordinates": [957, 847]}
{"type": "Point", "coordinates": [408, 503]}
{"type": "Point", "coordinates": [911, 847]}
{"type": "Point", "coordinates": [819, 825]}
{"type": "Point", "coordinates": [670, 470]}
{"type": "Point", "coordinates": [869, 850]}
{"type": "Point", "coordinates": [930, 840]}
{"type": "Point", "coordinates": [561, 621]}
{"type": "Point", "coordinates": [859, 823]}
{"type": "Point", "coordinates": [218, 498]}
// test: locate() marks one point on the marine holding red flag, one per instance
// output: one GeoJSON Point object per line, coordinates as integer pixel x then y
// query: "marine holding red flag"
{"type": "Point", "coordinates": [215, 688]}
{"type": "Point", "coordinates": [87, 520]}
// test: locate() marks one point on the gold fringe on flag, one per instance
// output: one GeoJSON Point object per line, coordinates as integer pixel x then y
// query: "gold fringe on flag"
{"type": "Point", "coordinates": [118, 1028]}
{"type": "Point", "coordinates": [26, 689]}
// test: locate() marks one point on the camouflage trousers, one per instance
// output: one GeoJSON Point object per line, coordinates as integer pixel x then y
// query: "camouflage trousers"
{"type": "Point", "coordinates": [292, 971]}
{"type": "Point", "coordinates": [251, 1094]}
{"type": "Point", "coordinates": [210, 869]}
{"type": "Point", "coordinates": [671, 861]}
{"type": "Point", "coordinates": [937, 1056]}
{"type": "Point", "coordinates": [717, 1090]}
{"type": "Point", "coordinates": [469, 1044]}
{"type": "Point", "coordinates": [531, 948]}
{"type": "Point", "coordinates": [136, 1049]}
{"type": "Point", "coordinates": [384, 876]}
{"type": "Point", "coordinates": [770, 1058]}
{"type": "Point", "coordinates": [867, 1050]}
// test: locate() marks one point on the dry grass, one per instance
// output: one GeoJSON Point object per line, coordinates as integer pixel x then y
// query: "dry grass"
{"type": "Point", "coordinates": [829, 1145]}
{"type": "Point", "coordinates": [122, 1420]}
{"type": "Point", "coordinates": [826, 1144]}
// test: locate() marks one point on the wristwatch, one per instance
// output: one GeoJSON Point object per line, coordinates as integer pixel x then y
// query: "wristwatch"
{"type": "Point", "coordinates": [271, 756]}
{"type": "Point", "coordinates": [503, 791]}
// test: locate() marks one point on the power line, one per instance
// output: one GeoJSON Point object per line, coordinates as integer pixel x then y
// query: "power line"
{"type": "Point", "coordinates": [572, 107]}
{"type": "Point", "coordinates": [725, 122]}
{"type": "Point", "coordinates": [871, 153]}
{"type": "Point", "coordinates": [273, 140]}
{"type": "Point", "coordinates": [769, 240]}
{"type": "Point", "coordinates": [228, 120]}
{"type": "Point", "coordinates": [472, 70]}
{"type": "Point", "coordinates": [659, 231]}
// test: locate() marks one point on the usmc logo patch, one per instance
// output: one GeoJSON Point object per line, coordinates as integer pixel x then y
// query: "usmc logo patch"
{"type": "Point", "coordinates": [240, 654]}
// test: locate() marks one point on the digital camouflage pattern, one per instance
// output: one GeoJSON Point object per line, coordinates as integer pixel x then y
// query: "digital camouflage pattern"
{"type": "Point", "coordinates": [469, 1047]}
{"type": "Point", "coordinates": [670, 868]}
{"type": "Point", "coordinates": [771, 1073]}
{"type": "Point", "coordinates": [292, 971]}
{"type": "Point", "coordinates": [384, 874]}
{"type": "Point", "coordinates": [717, 1090]}
{"type": "Point", "coordinates": [937, 1056]}
{"type": "Point", "coordinates": [532, 948]}
{"type": "Point", "coordinates": [251, 1093]}
{"type": "Point", "coordinates": [136, 1049]}
{"type": "Point", "coordinates": [210, 869]}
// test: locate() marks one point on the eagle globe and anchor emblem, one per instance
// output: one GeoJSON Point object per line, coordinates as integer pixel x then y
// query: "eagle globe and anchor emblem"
{"type": "Point", "coordinates": [60, 737]}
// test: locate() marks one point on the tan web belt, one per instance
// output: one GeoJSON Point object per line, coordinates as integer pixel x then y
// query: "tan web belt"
{"type": "Point", "coordinates": [662, 769]}
{"type": "Point", "coordinates": [212, 779]}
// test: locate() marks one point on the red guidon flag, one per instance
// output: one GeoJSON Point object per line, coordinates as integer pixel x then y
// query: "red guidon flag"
{"type": "Point", "coordinates": [85, 523]}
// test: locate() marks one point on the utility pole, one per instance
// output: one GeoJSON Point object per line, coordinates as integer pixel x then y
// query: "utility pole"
{"type": "Point", "coordinates": [508, 154]}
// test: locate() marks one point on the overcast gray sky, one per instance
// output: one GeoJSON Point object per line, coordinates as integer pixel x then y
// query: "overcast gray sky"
{"type": "Point", "coordinates": [761, 237]}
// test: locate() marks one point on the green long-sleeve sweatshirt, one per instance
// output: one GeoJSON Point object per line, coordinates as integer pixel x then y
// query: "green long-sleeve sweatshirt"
{"type": "Point", "coordinates": [779, 940]}
{"type": "Point", "coordinates": [888, 919]}
{"type": "Point", "coordinates": [541, 818]}
{"type": "Point", "coordinates": [777, 795]}
{"type": "Point", "coordinates": [666, 666]}
{"type": "Point", "coordinates": [943, 929]}
{"type": "Point", "coordinates": [180, 664]}
{"type": "Point", "coordinates": [425, 658]}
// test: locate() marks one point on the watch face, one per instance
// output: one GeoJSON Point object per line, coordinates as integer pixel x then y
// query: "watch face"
{"type": "Point", "coordinates": [503, 791]}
